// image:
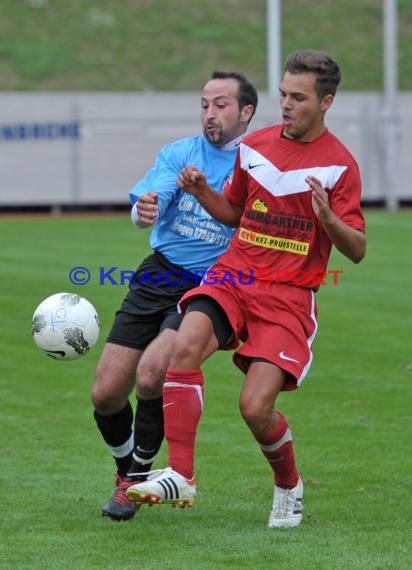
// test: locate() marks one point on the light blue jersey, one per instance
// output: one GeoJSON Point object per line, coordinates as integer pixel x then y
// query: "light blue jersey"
{"type": "Point", "coordinates": [185, 233]}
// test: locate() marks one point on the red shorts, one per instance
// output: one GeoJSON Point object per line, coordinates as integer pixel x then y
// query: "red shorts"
{"type": "Point", "coordinates": [275, 322]}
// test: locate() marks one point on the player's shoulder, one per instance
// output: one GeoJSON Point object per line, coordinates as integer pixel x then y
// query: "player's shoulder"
{"type": "Point", "coordinates": [185, 142]}
{"type": "Point", "coordinates": [183, 148]}
{"type": "Point", "coordinates": [336, 147]}
{"type": "Point", "coordinates": [264, 132]}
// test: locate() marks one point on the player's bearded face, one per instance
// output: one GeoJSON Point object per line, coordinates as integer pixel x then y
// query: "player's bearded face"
{"type": "Point", "coordinates": [220, 113]}
{"type": "Point", "coordinates": [213, 132]}
{"type": "Point", "coordinates": [221, 131]}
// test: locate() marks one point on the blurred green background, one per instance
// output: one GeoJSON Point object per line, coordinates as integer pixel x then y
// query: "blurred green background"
{"type": "Point", "coordinates": [136, 45]}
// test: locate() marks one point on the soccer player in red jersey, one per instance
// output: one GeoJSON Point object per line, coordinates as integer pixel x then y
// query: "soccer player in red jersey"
{"type": "Point", "coordinates": [295, 192]}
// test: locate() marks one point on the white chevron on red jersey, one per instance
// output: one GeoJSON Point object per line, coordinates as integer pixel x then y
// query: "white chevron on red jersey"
{"type": "Point", "coordinates": [281, 183]}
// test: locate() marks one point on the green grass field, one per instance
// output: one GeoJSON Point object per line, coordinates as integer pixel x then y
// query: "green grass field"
{"type": "Point", "coordinates": [143, 45]}
{"type": "Point", "coordinates": [351, 424]}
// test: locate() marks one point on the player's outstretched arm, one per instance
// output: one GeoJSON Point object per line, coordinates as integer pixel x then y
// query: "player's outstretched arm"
{"type": "Point", "coordinates": [194, 182]}
{"type": "Point", "coordinates": [349, 241]}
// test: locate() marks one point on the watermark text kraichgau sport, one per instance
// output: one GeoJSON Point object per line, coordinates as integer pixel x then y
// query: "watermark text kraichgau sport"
{"type": "Point", "coordinates": [263, 275]}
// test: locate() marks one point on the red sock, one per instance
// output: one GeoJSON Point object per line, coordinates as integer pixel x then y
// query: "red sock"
{"type": "Point", "coordinates": [277, 447]}
{"type": "Point", "coordinates": [182, 407]}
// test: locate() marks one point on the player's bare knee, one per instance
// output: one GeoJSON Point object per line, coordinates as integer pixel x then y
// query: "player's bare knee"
{"type": "Point", "coordinates": [186, 352]}
{"type": "Point", "coordinates": [103, 400]}
{"type": "Point", "coordinates": [97, 394]}
{"type": "Point", "coordinates": [252, 413]}
{"type": "Point", "coordinates": [150, 379]}
{"type": "Point", "coordinates": [111, 388]}
{"type": "Point", "coordinates": [107, 401]}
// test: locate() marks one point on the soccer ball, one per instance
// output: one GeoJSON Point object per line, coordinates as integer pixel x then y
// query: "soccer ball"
{"type": "Point", "coordinates": [65, 326]}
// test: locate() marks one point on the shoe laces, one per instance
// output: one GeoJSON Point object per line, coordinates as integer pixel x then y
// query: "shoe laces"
{"type": "Point", "coordinates": [155, 473]}
{"type": "Point", "coordinates": [119, 495]}
{"type": "Point", "coordinates": [284, 502]}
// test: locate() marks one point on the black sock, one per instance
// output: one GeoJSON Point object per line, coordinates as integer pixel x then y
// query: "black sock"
{"type": "Point", "coordinates": [148, 434]}
{"type": "Point", "coordinates": [117, 432]}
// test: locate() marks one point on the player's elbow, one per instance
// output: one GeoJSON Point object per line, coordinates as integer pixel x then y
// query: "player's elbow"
{"type": "Point", "coordinates": [232, 222]}
{"type": "Point", "coordinates": [357, 259]}
{"type": "Point", "coordinates": [360, 251]}
{"type": "Point", "coordinates": [235, 216]}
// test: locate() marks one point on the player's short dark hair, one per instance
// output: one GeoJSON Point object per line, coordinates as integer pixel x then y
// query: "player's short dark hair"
{"type": "Point", "coordinates": [247, 94]}
{"type": "Point", "coordinates": [327, 71]}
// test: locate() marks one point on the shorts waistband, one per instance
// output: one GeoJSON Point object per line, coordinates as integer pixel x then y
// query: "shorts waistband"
{"type": "Point", "coordinates": [169, 265]}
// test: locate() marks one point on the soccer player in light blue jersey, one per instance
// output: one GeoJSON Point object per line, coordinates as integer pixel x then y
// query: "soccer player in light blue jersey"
{"type": "Point", "coordinates": [185, 240]}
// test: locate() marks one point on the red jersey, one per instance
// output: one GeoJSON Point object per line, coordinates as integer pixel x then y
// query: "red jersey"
{"type": "Point", "coordinates": [279, 231]}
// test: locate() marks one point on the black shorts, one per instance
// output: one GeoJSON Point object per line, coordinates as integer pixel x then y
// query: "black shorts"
{"type": "Point", "coordinates": [221, 324]}
{"type": "Point", "coordinates": [150, 305]}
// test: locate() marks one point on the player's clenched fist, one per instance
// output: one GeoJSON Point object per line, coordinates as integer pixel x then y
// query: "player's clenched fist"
{"type": "Point", "coordinates": [147, 208]}
{"type": "Point", "coordinates": [192, 180]}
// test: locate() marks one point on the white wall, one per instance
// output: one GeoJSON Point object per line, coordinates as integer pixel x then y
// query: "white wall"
{"type": "Point", "coordinates": [91, 148]}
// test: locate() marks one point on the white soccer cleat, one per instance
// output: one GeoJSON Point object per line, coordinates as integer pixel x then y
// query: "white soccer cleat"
{"type": "Point", "coordinates": [287, 507]}
{"type": "Point", "coordinates": [164, 486]}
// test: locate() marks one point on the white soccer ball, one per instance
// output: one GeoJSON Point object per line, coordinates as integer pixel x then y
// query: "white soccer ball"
{"type": "Point", "coordinates": [65, 326]}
